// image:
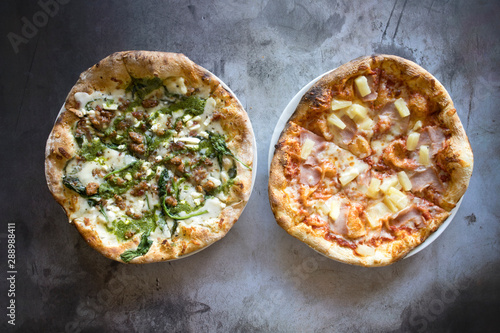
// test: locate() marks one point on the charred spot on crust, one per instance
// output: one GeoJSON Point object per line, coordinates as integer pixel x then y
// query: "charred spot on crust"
{"type": "Point", "coordinates": [64, 153]}
{"type": "Point", "coordinates": [205, 77]}
{"type": "Point", "coordinates": [317, 96]}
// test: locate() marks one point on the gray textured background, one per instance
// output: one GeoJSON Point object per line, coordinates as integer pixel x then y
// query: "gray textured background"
{"type": "Point", "coordinates": [258, 278]}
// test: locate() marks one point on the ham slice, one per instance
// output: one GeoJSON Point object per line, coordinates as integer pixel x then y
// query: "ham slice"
{"type": "Point", "coordinates": [423, 179]}
{"type": "Point", "coordinates": [339, 226]}
{"type": "Point", "coordinates": [319, 145]}
{"type": "Point", "coordinates": [310, 175]}
{"type": "Point", "coordinates": [398, 124]}
{"type": "Point", "coordinates": [348, 133]}
{"type": "Point", "coordinates": [434, 137]}
{"type": "Point", "coordinates": [408, 217]}
{"type": "Point", "coordinates": [310, 172]}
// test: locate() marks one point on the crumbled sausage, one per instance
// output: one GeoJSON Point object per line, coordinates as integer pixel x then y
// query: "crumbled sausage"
{"type": "Point", "coordinates": [208, 162]}
{"type": "Point", "coordinates": [97, 172]}
{"type": "Point", "coordinates": [119, 181]}
{"type": "Point", "coordinates": [82, 129]}
{"type": "Point", "coordinates": [101, 118]}
{"type": "Point", "coordinates": [91, 188]}
{"type": "Point", "coordinates": [137, 148]}
{"type": "Point", "coordinates": [139, 115]}
{"type": "Point", "coordinates": [124, 105]}
{"type": "Point", "coordinates": [139, 189]}
{"type": "Point", "coordinates": [171, 201]}
{"type": "Point", "coordinates": [168, 123]}
{"type": "Point", "coordinates": [123, 124]}
{"type": "Point", "coordinates": [136, 137]}
{"type": "Point", "coordinates": [209, 186]}
{"type": "Point", "coordinates": [178, 126]}
{"type": "Point", "coordinates": [120, 202]}
{"type": "Point", "coordinates": [176, 160]}
{"type": "Point", "coordinates": [199, 174]}
{"type": "Point", "coordinates": [149, 103]}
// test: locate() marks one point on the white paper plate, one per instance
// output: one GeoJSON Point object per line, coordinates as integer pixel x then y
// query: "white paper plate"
{"type": "Point", "coordinates": [287, 113]}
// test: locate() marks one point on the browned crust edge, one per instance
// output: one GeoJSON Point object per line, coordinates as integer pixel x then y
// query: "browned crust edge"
{"type": "Point", "coordinates": [459, 152]}
{"type": "Point", "coordinates": [114, 72]}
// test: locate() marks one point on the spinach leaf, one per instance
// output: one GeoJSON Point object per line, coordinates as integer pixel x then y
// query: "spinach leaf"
{"type": "Point", "coordinates": [103, 212]}
{"type": "Point", "coordinates": [133, 164]}
{"type": "Point", "coordinates": [177, 217]}
{"type": "Point", "coordinates": [73, 183]}
{"type": "Point", "coordinates": [192, 105]}
{"type": "Point", "coordinates": [232, 172]}
{"type": "Point", "coordinates": [162, 183]}
{"type": "Point", "coordinates": [220, 149]}
{"type": "Point", "coordinates": [143, 87]}
{"type": "Point", "coordinates": [142, 248]}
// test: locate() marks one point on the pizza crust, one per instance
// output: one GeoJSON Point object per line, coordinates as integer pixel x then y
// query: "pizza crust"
{"type": "Point", "coordinates": [311, 112]}
{"type": "Point", "coordinates": [116, 72]}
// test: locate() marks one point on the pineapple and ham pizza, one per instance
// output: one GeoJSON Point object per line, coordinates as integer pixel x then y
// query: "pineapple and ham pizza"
{"type": "Point", "coordinates": [150, 157]}
{"type": "Point", "coordinates": [371, 162]}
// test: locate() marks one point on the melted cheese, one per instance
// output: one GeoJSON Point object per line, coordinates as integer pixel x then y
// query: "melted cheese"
{"type": "Point", "coordinates": [214, 207]}
{"type": "Point", "coordinates": [83, 99]}
{"type": "Point", "coordinates": [176, 86]}
{"type": "Point", "coordinates": [83, 171]}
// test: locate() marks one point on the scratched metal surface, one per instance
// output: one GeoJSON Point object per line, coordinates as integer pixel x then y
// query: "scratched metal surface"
{"type": "Point", "coordinates": [258, 278]}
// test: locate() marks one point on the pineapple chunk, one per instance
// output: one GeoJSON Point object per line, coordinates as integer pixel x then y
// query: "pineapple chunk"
{"type": "Point", "coordinates": [347, 176]}
{"type": "Point", "coordinates": [337, 105]}
{"type": "Point", "coordinates": [357, 111]}
{"type": "Point", "coordinates": [365, 250]}
{"type": "Point", "coordinates": [418, 125]}
{"type": "Point", "coordinates": [404, 180]}
{"type": "Point", "coordinates": [390, 204]}
{"type": "Point", "coordinates": [334, 120]}
{"type": "Point", "coordinates": [373, 189]}
{"type": "Point", "coordinates": [362, 85]}
{"type": "Point", "coordinates": [412, 141]}
{"type": "Point", "coordinates": [388, 183]}
{"type": "Point", "coordinates": [307, 147]}
{"type": "Point", "coordinates": [423, 156]}
{"type": "Point", "coordinates": [377, 212]}
{"type": "Point", "coordinates": [398, 198]}
{"type": "Point", "coordinates": [365, 124]}
{"type": "Point", "coordinates": [402, 107]}
{"type": "Point", "coordinates": [334, 209]}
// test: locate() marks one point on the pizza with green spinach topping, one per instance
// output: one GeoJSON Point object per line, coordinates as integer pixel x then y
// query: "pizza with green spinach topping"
{"type": "Point", "coordinates": [150, 157]}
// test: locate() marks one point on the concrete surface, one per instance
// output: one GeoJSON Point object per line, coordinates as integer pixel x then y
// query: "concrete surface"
{"type": "Point", "coordinates": [258, 278]}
